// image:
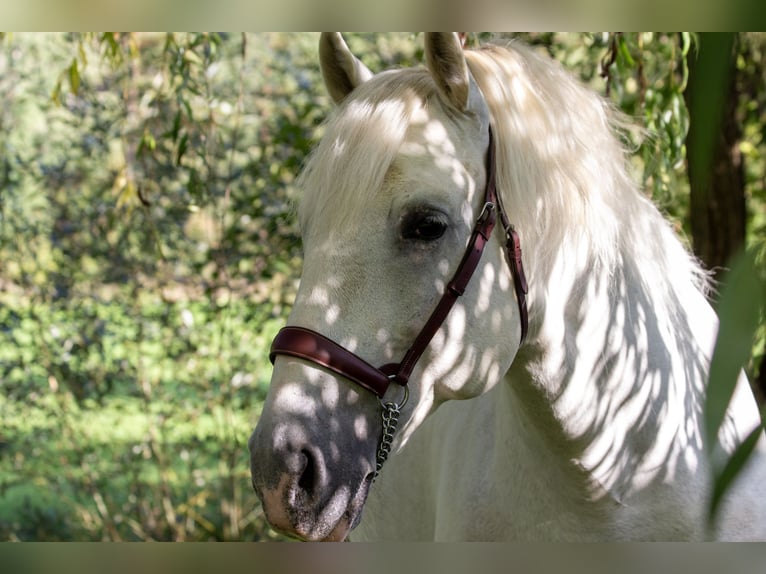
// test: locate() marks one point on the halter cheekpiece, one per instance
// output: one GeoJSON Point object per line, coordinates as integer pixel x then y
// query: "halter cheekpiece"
{"type": "Point", "coordinates": [314, 347]}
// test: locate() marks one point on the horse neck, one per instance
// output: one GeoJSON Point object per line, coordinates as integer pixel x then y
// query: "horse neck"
{"type": "Point", "coordinates": [612, 375]}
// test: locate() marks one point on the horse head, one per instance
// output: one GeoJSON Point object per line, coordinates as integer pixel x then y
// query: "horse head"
{"type": "Point", "coordinates": [394, 196]}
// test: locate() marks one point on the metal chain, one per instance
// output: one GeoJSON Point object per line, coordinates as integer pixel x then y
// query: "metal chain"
{"type": "Point", "coordinates": [390, 417]}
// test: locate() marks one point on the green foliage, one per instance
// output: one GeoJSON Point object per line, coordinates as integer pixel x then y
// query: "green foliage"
{"type": "Point", "coordinates": [149, 254]}
{"type": "Point", "coordinates": [138, 422]}
{"type": "Point", "coordinates": [646, 76]}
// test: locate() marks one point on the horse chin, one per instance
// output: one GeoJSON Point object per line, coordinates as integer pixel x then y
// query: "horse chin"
{"type": "Point", "coordinates": [292, 514]}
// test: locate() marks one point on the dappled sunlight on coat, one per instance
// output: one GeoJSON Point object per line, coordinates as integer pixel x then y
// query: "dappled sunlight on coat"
{"type": "Point", "coordinates": [589, 430]}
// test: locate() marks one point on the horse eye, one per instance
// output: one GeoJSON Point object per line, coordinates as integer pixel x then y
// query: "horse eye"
{"type": "Point", "coordinates": [424, 227]}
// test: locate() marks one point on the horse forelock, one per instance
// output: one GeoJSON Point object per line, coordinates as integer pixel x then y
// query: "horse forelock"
{"type": "Point", "coordinates": [361, 140]}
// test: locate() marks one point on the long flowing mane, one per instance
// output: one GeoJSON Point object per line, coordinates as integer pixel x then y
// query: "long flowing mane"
{"type": "Point", "coordinates": [586, 227]}
{"type": "Point", "coordinates": [564, 171]}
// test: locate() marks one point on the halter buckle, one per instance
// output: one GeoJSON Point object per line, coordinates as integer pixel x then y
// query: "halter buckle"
{"type": "Point", "coordinates": [486, 212]}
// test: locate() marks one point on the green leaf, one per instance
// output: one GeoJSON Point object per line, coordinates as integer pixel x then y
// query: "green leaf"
{"type": "Point", "coordinates": [187, 105]}
{"type": "Point", "coordinates": [81, 52]}
{"type": "Point", "coordinates": [147, 143]}
{"type": "Point", "coordinates": [687, 39]}
{"type": "Point", "coordinates": [112, 47]}
{"type": "Point", "coordinates": [686, 44]}
{"type": "Point", "coordinates": [741, 298]}
{"type": "Point", "coordinates": [625, 53]}
{"type": "Point", "coordinates": [56, 94]}
{"type": "Point", "coordinates": [173, 133]}
{"type": "Point", "coordinates": [191, 57]}
{"type": "Point", "coordinates": [74, 77]}
{"type": "Point", "coordinates": [182, 146]}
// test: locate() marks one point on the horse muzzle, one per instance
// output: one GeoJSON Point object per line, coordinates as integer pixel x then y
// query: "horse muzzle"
{"type": "Point", "coordinates": [306, 490]}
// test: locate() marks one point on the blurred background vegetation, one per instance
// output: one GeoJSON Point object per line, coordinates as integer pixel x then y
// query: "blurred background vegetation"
{"type": "Point", "coordinates": [149, 250]}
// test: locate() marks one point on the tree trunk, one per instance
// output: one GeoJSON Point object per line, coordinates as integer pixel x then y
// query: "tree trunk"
{"type": "Point", "coordinates": [717, 201]}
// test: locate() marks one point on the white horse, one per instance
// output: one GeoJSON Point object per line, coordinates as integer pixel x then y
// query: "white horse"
{"type": "Point", "coordinates": [589, 430]}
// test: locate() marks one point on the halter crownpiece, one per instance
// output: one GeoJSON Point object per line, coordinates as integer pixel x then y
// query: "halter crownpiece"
{"type": "Point", "coordinates": [314, 347]}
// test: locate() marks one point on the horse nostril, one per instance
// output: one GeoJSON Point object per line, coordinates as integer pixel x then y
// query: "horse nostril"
{"type": "Point", "coordinates": [308, 478]}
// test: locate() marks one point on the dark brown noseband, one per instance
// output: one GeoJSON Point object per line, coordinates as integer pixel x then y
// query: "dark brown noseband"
{"type": "Point", "coordinates": [316, 348]}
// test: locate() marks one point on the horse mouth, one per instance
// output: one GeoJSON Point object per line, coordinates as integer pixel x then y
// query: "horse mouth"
{"type": "Point", "coordinates": [292, 512]}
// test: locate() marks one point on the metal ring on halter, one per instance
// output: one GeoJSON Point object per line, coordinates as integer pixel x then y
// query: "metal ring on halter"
{"type": "Point", "coordinates": [404, 399]}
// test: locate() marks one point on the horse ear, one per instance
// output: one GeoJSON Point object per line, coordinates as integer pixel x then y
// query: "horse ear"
{"type": "Point", "coordinates": [446, 62]}
{"type": "Point", "coordinates": [341, 70]}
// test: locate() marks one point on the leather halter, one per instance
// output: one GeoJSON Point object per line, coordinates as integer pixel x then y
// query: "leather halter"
{"type": "Point", "coordinates": [314, 347]}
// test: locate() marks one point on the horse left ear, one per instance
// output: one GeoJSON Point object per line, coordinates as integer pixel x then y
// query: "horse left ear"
{"type": "Point", "coordinates": [446, 62]}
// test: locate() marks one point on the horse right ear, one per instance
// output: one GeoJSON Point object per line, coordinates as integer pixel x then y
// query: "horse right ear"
{"type": "Point", "coordinates": [341, 70]}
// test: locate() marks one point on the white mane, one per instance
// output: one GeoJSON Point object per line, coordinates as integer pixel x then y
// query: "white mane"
{"type": "Point", "coordinates": [564, 176]}
{"type": "Point", "coordinates": [589, 235]}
